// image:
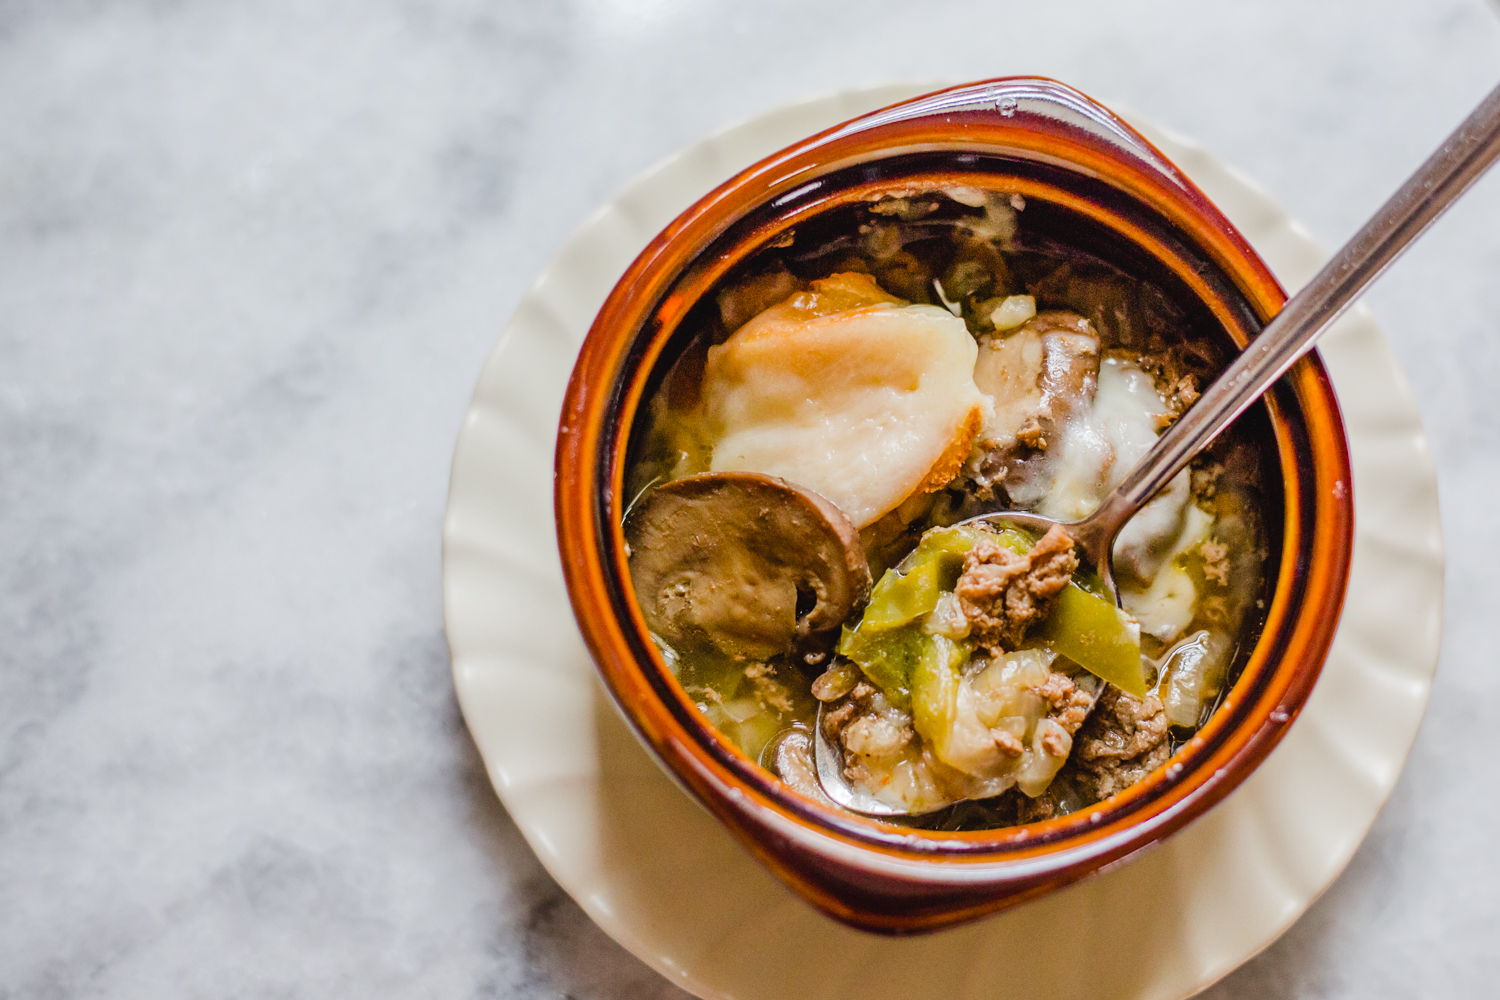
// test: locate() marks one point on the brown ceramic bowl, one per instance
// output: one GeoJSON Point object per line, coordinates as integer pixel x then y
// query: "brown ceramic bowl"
{"type": "Point", "coordinates": [1057, 148]}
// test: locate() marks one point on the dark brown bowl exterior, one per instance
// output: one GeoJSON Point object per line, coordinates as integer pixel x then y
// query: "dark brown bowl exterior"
{"type": "Point", "coordinates": [1061, 147]}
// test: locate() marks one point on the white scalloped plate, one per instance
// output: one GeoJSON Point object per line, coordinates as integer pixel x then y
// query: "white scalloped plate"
{"type": "Point", "coordinates": [666, 881]}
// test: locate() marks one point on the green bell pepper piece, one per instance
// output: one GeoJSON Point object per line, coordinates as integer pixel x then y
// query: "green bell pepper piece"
{"type": "Point", "coordinates": [1096, 635]}
{"type": "Point", "coordinates": [934, 693]}
{"type": "Point", "coordinates": [887, 658]}
{"type": "Point", "coordinates": [911, 590]}
{"type": "Point", "coordinates": [888, 642]}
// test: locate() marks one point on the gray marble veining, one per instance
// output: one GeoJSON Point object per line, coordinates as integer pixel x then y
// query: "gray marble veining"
{"type": "Point", "coordinates": [252, 255]}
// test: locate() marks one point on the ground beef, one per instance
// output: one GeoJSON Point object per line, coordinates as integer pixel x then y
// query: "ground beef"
{"type": "Point", "coordinates": [1033, 435]}
{"type": "Point", "coordinates": [1033, 810]}
{"type": "Point", "coordinates": [876, 736]}
{"type": "Point", "coordinates": [1215, 561]}
{"type": "Point", "coordinates": [1069, 704]}
{"type": "Point", "coordinates": [769, 691]}
{"type": "Point", "coordinates": [1003, 593]}
{"type": "Point", "coordinates": [863, 722]}
{"type": "Point", "coordinates": [842, 712]}
{"type": "Point", "coordinates": [1008, 743]}
{"type": "Point", "coordinates": [1178, 370]}
{"type": "Point", "coordinates": [1054, 741]}
{"type": "Point", "coordinates": [1205, 479]}
{"type": "Point", "coordinates": [1123, 741]}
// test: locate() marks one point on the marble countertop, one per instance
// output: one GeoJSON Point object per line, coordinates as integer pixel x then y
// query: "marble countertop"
{"type": "Point", "coordinates": [252, 255]}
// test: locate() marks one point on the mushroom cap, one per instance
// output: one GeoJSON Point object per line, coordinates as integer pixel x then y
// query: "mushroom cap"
{"type": "Point", "coordinates": [728, 559]}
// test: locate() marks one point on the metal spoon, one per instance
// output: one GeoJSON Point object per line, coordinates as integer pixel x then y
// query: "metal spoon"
{"type": "Point", "coordinates": [1448, 173]}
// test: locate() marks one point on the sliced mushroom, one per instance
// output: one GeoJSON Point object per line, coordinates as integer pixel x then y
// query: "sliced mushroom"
{"type": "Point", "coordinates": [745, 563]}
{"type": "Point", "coordinates": [789, 756]}
{"type": "Point", "coordinates": [1037, 377]}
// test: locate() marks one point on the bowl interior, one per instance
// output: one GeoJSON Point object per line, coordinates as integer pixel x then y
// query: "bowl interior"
{"type": "Point", "coordinates": [1188, 252]}
{"type": "Point", "coordinates": [1065, 212]}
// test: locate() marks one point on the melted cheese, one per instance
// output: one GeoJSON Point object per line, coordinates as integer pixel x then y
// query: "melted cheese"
{"type": "Point", "coordinates": [1102, 444]}
{"type": "Point", "coordinates": [1165, 606]}
{"type": "Point", "coordinates": [845, 391]}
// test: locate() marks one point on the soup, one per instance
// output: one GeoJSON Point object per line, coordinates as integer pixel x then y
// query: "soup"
{"type": "Point", "coordinates": [803, 473]}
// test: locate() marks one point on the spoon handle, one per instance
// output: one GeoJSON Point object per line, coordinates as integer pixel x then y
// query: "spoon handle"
{"type": "Point", "coordinates": [1446, 175]}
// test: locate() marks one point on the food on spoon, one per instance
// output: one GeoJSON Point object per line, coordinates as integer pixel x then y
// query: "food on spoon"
{"type": "Point", "coordinates": [928, 358]}
{"type": "Point", "coordinates": [943, 646]}
{"type": "Point", "coordinates": [1003, 593]}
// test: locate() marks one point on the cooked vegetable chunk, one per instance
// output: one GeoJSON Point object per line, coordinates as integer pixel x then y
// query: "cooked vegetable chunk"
{"type": "Point", "coordinates": [890, 640]}
{"type": "Point", "coordinates": [887, 370]}
{"type": "Point", "coordinates": [719, 560]}
{"type": "Point", "coordinates": [1097, 636]}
